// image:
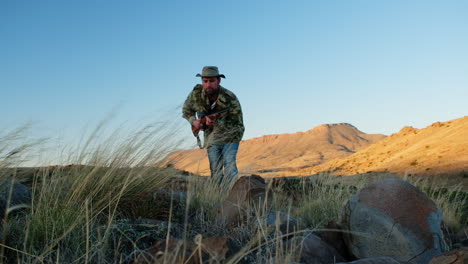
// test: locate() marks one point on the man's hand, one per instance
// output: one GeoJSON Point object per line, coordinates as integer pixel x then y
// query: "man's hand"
{"type": "Point", "coordinates": [197, 124]}
{"type": "Point", "coordinates": [209, 122]}
{"type": "Point", "coordinates": [202, 124]}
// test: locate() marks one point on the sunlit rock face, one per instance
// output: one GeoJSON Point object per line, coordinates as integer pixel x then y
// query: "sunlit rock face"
{"type": "Point", "coordinates": [393, 218]}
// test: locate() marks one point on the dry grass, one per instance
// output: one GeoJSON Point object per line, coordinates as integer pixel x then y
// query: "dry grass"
{"type": "Point", "coordinates": [77, 214]}
{"type": "Point", "coordinates": [75, 207]}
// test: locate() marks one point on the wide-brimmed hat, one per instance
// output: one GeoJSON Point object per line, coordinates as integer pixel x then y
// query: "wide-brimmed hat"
{"type": "Point", "coordinates": [210, 71]}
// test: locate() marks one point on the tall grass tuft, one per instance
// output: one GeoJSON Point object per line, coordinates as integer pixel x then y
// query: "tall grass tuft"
{"type": "Point", "coordinates": [73, 207]}
{"type": "Point", "coordinates": [451, 201]}
{"type": "Point", "coordinates": [323, 200]}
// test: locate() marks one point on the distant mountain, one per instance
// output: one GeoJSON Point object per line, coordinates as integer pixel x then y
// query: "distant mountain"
{"type": "Point", "coordinates": [284, 152]}
{"type": "Point", "coordinates": [441, 148]}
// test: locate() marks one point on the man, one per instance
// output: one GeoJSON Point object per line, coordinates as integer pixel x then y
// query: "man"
{"type": "Point", "coordinates": [222, 132]}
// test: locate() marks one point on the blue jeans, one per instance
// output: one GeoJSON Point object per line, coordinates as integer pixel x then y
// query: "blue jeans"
{"type": "Point", "coordinates": [222, 159]}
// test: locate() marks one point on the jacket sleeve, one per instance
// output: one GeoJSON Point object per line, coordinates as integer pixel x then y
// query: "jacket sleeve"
{"type": "Point", "coordinates": [236, 111]}
{"type": "Point", "coordinates": [188, 110]}
{"type": "Point", "coordinates": [236, 121]}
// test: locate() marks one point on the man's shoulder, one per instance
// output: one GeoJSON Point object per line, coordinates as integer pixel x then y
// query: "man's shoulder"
{"type": "Point", "coordinates": [196, 91]}
{"type": "Point", "coordinates": [229, 93]}
{"type": "Point", "coordinates": [197, 88]}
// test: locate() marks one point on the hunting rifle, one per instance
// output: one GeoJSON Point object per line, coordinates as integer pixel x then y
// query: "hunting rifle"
{"type": "Point", "coordinates": [203, 126]}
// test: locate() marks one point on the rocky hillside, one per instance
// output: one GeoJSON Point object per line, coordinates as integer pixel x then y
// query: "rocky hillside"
{"type": "Point", "coordinates": [285, 152]}
{"type": "Point", "coordinates": [441, 148]}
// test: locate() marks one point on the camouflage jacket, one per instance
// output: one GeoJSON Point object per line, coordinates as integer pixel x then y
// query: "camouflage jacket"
{"type": "Point", "coordinates": [229, 126]}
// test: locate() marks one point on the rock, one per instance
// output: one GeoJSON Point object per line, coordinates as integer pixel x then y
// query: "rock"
{"type": "Point", "coordinates": [20, 195]}
{"type": "Point", "coordinates": [282, 222]}
{"type": "Point", "coordinates": [313, 250]}
{"type": "Point", "coordinates": [379, 260]}
{"type": "Point", "coordinates": [244, 190]}
{"type": "Point", "coordinates": [464, 243]}
{"type": "Point", "coordinates": [457, 256]}
{"type": "Point", "coordinates": [460, 239]}
{"type": "Point", "coordinates": [332, 235]}
{"type": "Point", "coordinates": [178, 183]}
{"type": "Point", "coordinates": [291, 186]}
{"type": "Point", "coordinates": [247, 187]}
{"type": "Point", "coordinates": [392, 218]}
{"type": "Point", "coordinates": [463, 233]}
{"type": "Point", "coordinates": [155, 205]}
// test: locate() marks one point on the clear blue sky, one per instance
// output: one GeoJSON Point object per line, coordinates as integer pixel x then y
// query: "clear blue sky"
{"type": "Point", "coordinates": [379, 65]}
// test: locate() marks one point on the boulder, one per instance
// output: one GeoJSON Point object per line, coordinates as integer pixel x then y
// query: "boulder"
{"type": "Point", "coordinates": [460, 239]}
{"type": "Point", "coordinates": [283, 223]}
{"type": "Point", "coordinates": [312, 250]}
{"type": "Point", "coordinates": [393, 218]}
{"type": "Point", "coordinates": [13, 195]}
{"type": "Point", "coordinates": [379, 260]}
{"type": "Point", "coordinates": [291, 186]}
{"type": "Point", "coordinates": [244, 190]}
{"type": "Point", "coordinates": [457, 256]}
{"type": "Point", "coordinates": [332, 234]}
{"type": "Point", "coordinates": [155, 205]}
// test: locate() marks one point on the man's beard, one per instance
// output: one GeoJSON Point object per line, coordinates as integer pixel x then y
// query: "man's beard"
{"type": "Point", "coordinates": [213, 91]}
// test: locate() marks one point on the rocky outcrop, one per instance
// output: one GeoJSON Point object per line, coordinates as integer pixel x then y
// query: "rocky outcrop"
{"type": "Point", "coordinates": [392, 218]}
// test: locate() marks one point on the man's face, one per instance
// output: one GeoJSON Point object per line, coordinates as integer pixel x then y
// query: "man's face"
{"type": "Point", "coordinates": [211, 85]}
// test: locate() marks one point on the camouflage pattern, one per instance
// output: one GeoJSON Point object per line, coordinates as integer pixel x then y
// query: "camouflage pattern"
{"type": "Point", "coordinates": [229, 126]}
